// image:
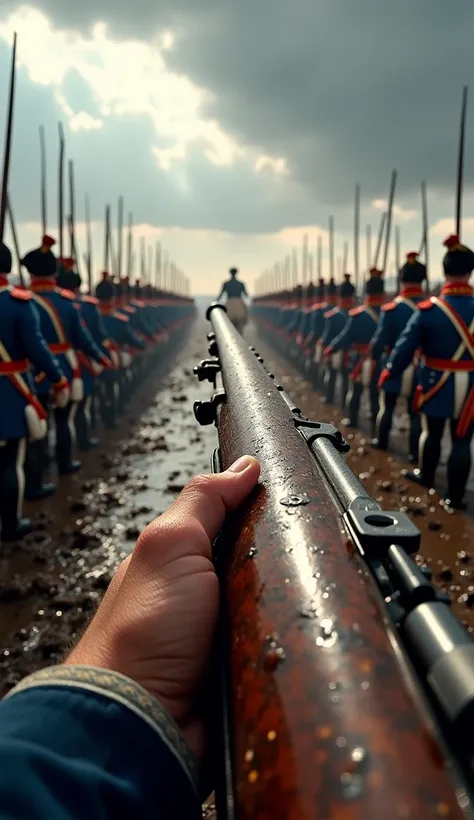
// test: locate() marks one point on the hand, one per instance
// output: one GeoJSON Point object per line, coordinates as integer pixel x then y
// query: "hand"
{"type": "Point", "coordinates": [327, 351]}
{"type": "Point", "coordinates": [62, 393]}
{"type": "Point", "coordinates": [384, 377]}
{"type": "Point", "coordinates": [156, 622]}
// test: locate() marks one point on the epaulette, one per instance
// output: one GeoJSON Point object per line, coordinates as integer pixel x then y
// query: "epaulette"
{"type": "Point", "coordinates": [139, 303]}
{"type": "Point", "coordinates": [426, 304]}
{"type": "Point", "coordinates": [22, 295]}
{"type": "Point", "coordinates": [389, 306]}
{"type": "Point", "coordinates": [330, 313]}
{"type": "Point", "coordinates": [120, 316]}
{"type": "Point", "coordinates": [357, 310]}
{"type": "Point", "coordinates": [91, 300]}
{"type": "Point", "coordinates": [67, 294]}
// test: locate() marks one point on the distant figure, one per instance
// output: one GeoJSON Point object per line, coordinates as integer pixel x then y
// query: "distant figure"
{"type": "Point", "coordinates": [236, 307]}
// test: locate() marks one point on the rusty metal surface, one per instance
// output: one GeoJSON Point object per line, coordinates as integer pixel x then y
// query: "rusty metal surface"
{"type": "Point", "coordinates": [324, 724]}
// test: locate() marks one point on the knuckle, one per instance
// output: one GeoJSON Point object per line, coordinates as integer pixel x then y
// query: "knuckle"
{"type": "Point", "coordinates": [201, 485]}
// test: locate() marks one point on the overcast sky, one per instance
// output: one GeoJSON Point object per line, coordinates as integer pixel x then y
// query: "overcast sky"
{"type": "Point", "coordinates": [231, 127]}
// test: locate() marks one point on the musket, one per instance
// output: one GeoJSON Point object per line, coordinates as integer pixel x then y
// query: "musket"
{"type": "Point", "coordinates": [426, 242]}
{"type": "Point", "coordinates": [44, 198]}
{"type": "Point", "coordinates": [304, 264]}
{"type": "Point", "coordinates": [398, 263]}
{"type": "Point", "coordinates": [331, 247]}
{"type": "Point", "coordinates": [158, 265]}
{"type": "Point", "coordinates": [61, 189]}
{"type": "Point", "coordinates": [8, 142]}
{"type": "Point", "coordinates": [294, 267]}
{"type": "Point", "coordinates": [391, 199]}
{"type": "Point", "coordinates": [15, 239]}
{"type": "Point", "coordinates": [120, 236]}
{"type": "Point", "coordinates": [130, 244]}
{"type": "Point", "coordinates": [150, 265]}
{"type": "Point", "coordinates": [368, 241]}
{"type": "Point", "coordinates": [142, 259]}
{"type": "Point", "coordinates": [460, 174]}
{"type": "Point", "coordinates": [88, 255]}
{"type": "Point", "coordinates": [72, 215]}
{"type": "Point", "coordinates": [379, 240]}
{"type": "Point", "coordinates": [345, 683]}
{"type": "Point", "coordinates": [113, 258]}
{"type": "Point", "coordinates": [356, 238]}
{"type": "Point", "coordinates": [319, 258]}
{"type": "Point", "coordinates": [106, 238]}
{"type": "Point", "coordinates": [345, 258]}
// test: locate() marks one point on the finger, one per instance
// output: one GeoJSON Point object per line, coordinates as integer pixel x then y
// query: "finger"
{"type": "Point", "coordinates": [207, 499]}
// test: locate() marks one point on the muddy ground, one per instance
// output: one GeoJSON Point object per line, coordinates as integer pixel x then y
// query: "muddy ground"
{"type": "Point", "coordinates": [52, 581]}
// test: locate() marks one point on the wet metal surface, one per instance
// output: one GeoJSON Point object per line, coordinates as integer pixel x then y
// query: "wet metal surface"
{"type": "Point", "coordinates": [447, 535]}
{"type": "Point", "coordinates": [324, 725]}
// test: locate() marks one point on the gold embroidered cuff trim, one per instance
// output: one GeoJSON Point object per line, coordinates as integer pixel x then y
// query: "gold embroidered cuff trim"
{"type": "Point", "coordinates": [123, 690]}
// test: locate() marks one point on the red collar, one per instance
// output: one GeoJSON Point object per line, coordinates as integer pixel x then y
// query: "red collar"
{"type": "Point", "coordinates": [347, 302]}
{"type": "Point", "coordinates": [106, 308]}
{"type": "Point", "coordinates": [43, 284]}
{"type": "Point", "coordinates": [375, 299]}
{"type": "Point", "coordinates": [411, 290]}
{"type": "Point", "coordinates": [3, 280]}
{"type": "Point", "coordinates": [456, 289]}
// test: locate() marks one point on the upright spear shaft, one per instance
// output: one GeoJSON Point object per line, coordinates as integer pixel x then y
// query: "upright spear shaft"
{"type": "Point", "coordinates": [356, 236]}
{"type": "Point", "coordinates": [150, 264]}
{"type": "Point", "coordinates": [72, 209]}
{"type": "Point", "coordinates": [331, 247]}
{"type": "Point", "coordinates": [158, 264]}
{"type": "Point", "coordinates": [44, 201]}
{"type": "Point", "coordinates": [8, 142]}
{"type": "Point", "coordinates": [426, 244]}
{"type": "Point", "coordinates": [61, 190]}
{"type": "Point", "coordinates": [320, 257]}
{"type": "Point", "coordinates": [345, 258]}
{"type": "Point", "coordinates": [88, 255]}
{"type": "Point", "coordinates": [106, 239]}
{"type": "Point", "coordinates": [15, 239]}
{"type": "Point", "coordinates": [305, 258]}
{"type": "Point", "coordinates": [120, 235]}
{"type": "Point", "coordinates": [391, 200]}
{"type": "Point", "coordinates": [379, 239]}
{"type": "Point", "coordinates": [129, 244]}
{"type": "Point", "coordinates": [368, 240]}
{"type": "Point", "coordinates": [460, 174]}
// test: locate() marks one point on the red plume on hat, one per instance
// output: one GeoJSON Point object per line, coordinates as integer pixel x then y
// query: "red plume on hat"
{"type": "Point", "coordinates": [452, 242]}
{"type": "Point", "coordinates": [47, 243]}
{"type": "Point", "coordinates": [105, 275]}
{"type": "Point", "coordinates": [375, 272]}
{"type": "Point", "coordinates": [412, 255]}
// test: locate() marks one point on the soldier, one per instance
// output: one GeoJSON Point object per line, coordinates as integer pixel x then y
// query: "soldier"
{"type": "Point", "coordinates": [61, 326]}
{"type": "Point", "coordinates": [442, 329]}
{"type": "Point", "coordinates": [335, 321]}
{"type": "Point", "coordinates": [305, 321]}
{"type": "Point", "coordinates": [314, 330]}
{"type": "Point", "coordinates": [355, 338]}
{"type": "Point", "coordinates": [21, 414]}
{"type": "Point", "coordinates": [318, 327]}
{"type": "Point", "coordinates": [394, 319]}
{"type": "Point", "coordinates": [122, 340]}
{"type": "Point", "coordinates": [235, 291]}
{"type": "Point", "coordinates": [69, 279]}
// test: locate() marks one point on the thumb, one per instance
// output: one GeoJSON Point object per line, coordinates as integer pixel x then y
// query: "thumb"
{"type": "Point", "coordinates": [207, 499]}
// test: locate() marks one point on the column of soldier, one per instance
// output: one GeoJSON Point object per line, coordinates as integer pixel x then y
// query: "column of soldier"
{"type": "Point", "coordinates": [411, 347]}
{"type": "Point", "coordinates": [67, 357]}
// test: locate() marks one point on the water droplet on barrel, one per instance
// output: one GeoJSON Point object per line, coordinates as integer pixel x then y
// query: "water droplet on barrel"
{"type": "Point", "coordinates": [294, 500]}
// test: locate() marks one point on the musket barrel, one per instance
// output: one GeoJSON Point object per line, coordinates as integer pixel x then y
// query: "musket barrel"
{"type": "Point", "coordinates": [322, 722]}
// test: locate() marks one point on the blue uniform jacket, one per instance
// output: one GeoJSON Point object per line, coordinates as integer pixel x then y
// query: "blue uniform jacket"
{"type": "Point", "coordinates": [21, 335]}
{"type": "Point", "coordinates": [118, 330]}
{"type": "Point", "coordinates": [78, 337]}
{"type": "Point", "coordinates": [88, 744]}
{"type": "Point", "coordinates": [335, 322]}
{"type": "Point", "coordinates": [431, 331]}
{"type": "Point", "coordinates": [393, 321]}
{"type": "Point", "coordinates": [91, 318]}
{"type": "Point", "coordinates": [234, 289]}
{"type": "Point", "coordinates": [357, 333]}
{"type": "Point", "coordinates": [317, 324]}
